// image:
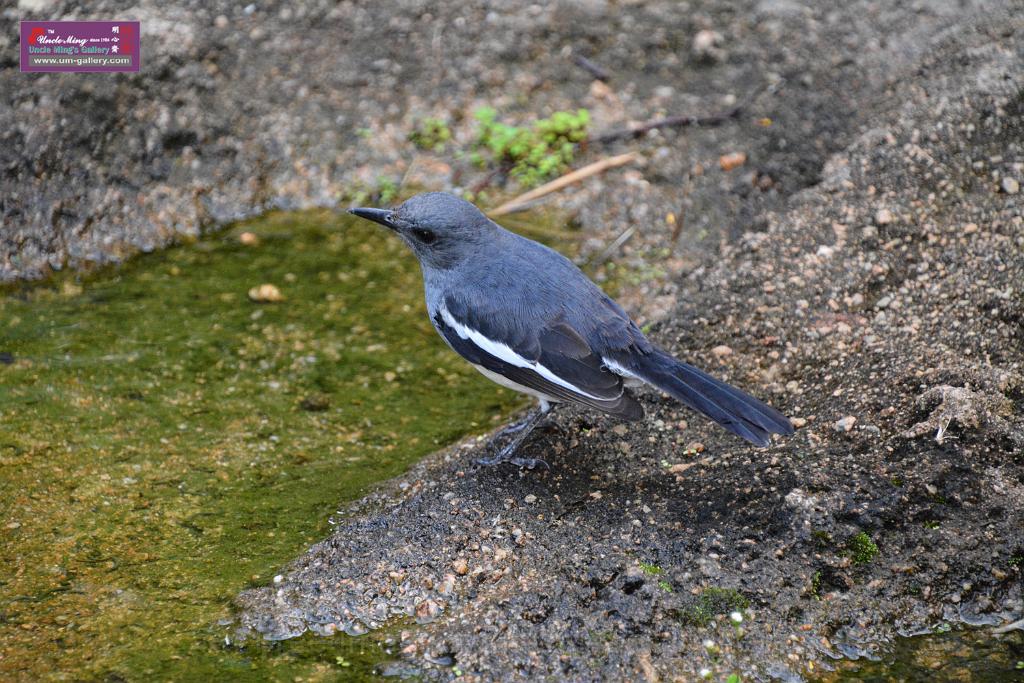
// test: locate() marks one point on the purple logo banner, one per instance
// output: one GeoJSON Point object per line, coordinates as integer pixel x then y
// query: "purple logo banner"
{"type": "Point", "coordinates": [80, 46]}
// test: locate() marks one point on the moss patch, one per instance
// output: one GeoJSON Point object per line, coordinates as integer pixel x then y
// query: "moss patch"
{"type": "Point", "coordinates": [165, 441]}
{"type": "Point", "coordinates": [861, 548]}
{"type": "Point", "coordinates": [651, 569]}
{"type": "Point", "coordinates": [712, 602]}
{"type": "Point", "coordinates": [535, 153]}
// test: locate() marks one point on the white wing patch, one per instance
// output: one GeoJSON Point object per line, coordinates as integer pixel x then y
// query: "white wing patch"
{"type": "Point", "coordinates": [514, 386]}
{"type": "Point", "coordinates": [505, 353]}
{"type": "Point", "coordinates": [631, 380]}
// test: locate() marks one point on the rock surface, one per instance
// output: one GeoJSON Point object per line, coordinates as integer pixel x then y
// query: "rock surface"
{"type": "Point", "coordinates": [863, 267]}
{"type": "Point", "coordinates": [862, 306]}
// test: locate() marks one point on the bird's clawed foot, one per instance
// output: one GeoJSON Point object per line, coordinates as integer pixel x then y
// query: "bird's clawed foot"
{"type": "Point", "coordinates": [508, 455]}
{"type": "Point", "coordinates": [529, 463]}
{"type": "Point", "coordinates": [521, 430]}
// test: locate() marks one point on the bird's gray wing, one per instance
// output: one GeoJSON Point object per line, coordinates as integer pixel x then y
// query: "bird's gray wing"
{"type": "Point", "coordinates": [546, 355]}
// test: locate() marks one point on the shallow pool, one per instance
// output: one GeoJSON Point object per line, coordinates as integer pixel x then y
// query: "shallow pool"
{"type": "Point", "coordinates": [166, 441]}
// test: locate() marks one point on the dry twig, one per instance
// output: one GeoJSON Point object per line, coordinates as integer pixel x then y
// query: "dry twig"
{"type": "Point", "coordinates": [682, 121]}
{"type": "Point", "coordinates": [520, 202]}
{"type": "Point", "coordinates": [595, 70]}
{"type": "Point", "coordinates": [667, 122]}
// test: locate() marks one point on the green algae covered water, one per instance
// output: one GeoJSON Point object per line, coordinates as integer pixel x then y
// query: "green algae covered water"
{"type": "Point", "coordinates": [969, 655]}
{"type": "Point", "coordinates": [166, 441]}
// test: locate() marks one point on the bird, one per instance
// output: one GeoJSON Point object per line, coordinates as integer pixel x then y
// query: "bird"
{"type": "Point", "coordinates": [527, 318]}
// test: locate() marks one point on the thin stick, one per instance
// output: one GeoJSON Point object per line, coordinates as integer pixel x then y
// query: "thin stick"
{"type": "Point", "coordinates": [489, 178]}
{"type": "Point", "coordinates": [667, 122]}
{"type": "Point", "coordinates": [681, 218]}
{"type": "Point", "coordinates": [685, 121]}
{"type": "Point", "coordinates": [520, 202]}
{"type": "Point", "coordinates": [592, 68]}
{"type": "Point", "coordinates": [612, 248]}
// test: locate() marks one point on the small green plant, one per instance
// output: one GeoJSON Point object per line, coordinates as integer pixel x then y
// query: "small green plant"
{"type": "Point", "coordinates": [822, 538]}
{"type": "Point", "coordinates": [665, 586]}
{"type": "Point", "coordinates": [651, 569]}
{"type": "Point", "coordinates": [431, 134]}
{"type": "Point", "coordinates": [931, 524]}
{"type": "Point", "coordinates": [736, 619]}
{"type": "Point", "coordinates": [384, 192]}
{"type": "Point", "coordinates": [712, 602]}
{"type": "Point", "coordinates": [536, 153]}
{"type": "Point", "coordinates": [387, 189]}
{"type": "Point", "coordinates": [816, 584]}
{"type": "Point", "coordinates": [733, 678]}
{"type": "Point", "coordinates": [1017, 560]}
{"type": "Point", "coordinates": [861, 548]}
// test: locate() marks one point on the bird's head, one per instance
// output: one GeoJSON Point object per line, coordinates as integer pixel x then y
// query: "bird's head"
{"type": "Point", "coordinates": [441, 229]}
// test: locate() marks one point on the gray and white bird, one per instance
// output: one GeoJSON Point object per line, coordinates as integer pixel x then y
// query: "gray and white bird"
{"type": "Point", "coordinates": [530, 320]}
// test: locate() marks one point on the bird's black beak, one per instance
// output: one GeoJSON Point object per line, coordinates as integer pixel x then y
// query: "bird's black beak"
{"type": "Point", "coordinates": [383, 216]}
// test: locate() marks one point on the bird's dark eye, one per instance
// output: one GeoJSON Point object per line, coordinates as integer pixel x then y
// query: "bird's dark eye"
{"type": "Point", "coordinates": [425, 236]}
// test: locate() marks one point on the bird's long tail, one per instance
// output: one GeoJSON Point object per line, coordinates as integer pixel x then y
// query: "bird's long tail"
{"type": "Point", "coordinates": [735, 410]}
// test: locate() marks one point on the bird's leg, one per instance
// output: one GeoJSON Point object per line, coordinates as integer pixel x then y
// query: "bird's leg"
{"type": "Point", "coordinates": [521, 430]}
{"type": "Point", "coordinates": [507, 453]}
{"type": "Point", "coordinates": [512, 428]}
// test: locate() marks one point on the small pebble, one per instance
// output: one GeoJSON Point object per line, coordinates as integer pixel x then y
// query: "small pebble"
{"type": "Point", "coordinates": [883, 217]}
{"type": "Point", "coordinates": [721, 351]}
{"type": "Point", "coordinates": [265, 293]}
{"type": "Point", "coordinates": [845, 424]}
{"type": "Point", "coordinates": [1010, 185]}
{"type": "Point", "coordinates": [705, 45]}
{"type": "Point", "coordinates": [600, 91]}
{"type": "Point", "coordinates": [427, 611]}
{"type": "Point", "coordinates": [730, 161]}
{"type": "Point", "coordinates": [460, 566]}
{"type": "Point", "coordinates": [530, 498]}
